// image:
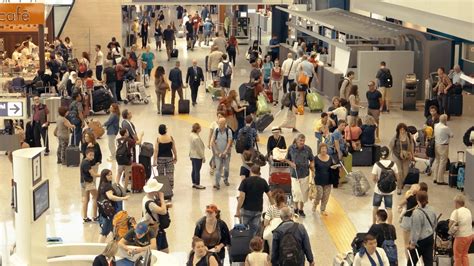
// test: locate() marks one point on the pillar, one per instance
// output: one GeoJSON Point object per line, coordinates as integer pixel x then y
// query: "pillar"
{"type": "Point", "coordinates": [279, 27]}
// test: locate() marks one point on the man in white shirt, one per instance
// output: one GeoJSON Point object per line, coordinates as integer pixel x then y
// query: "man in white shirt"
{"type": "Point", "coordinates": [225, 73]}
{"type": "Point", "coordinates": [455, 75]}
{"type": "Point", "coordinates": [385, 175]}
{"type": "Point", "coordinates": [442, 134]}
{"type": "Point", "coordinates": [371, 255]}
{"type": "Point", "coordinates": [288, 72]}
{"type": "Point", "coordinates": [99, 62]}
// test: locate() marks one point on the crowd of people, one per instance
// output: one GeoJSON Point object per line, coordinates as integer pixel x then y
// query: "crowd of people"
{"type": "Point", "coordinates": [340, 132]}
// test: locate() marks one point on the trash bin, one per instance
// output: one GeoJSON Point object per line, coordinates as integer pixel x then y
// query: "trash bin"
{"type": "Point", "coordinates": [409, 85]}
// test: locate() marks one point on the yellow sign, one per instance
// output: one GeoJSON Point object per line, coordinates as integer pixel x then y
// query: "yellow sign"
{"type": "Point", "coordinates": [21, 14]}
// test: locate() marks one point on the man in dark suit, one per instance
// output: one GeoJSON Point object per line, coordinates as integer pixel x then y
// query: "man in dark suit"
{"type": "Point", "coordinates": [194, 78]}
{"type": "Point", "coordinates": [176, 79]}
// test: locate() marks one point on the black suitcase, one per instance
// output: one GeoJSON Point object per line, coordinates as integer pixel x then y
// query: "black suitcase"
{"type": "Point", "coordinates": [146, 149]}
{"type": "Point", "coordinates": [363, 157]}
{"type": "Point", "coordinates": [146, 162]}
{"type": "Point", "coordinates": [413, 176]}
{"type": "Point", "coordinates": [242, 89]}
{"type": "Point", "coordinates": [375, 153]}
{"type": "Point", "coordinates": [167, 109]}
{"type": "Point", "coordinates": [174, 53]}
{"type": "Point", "coordinates": [453, 174]}
{"type": "Point", "coordinates": [101, 99]}
{"type": "Point", "coordinates": [263, 122]}
{"type": "Point", "coordinates": [240, 237]}
{"type": "Point", "coordinates": [455, 104]}
{"type": "Point", "coordinates": [73, 156]}
{"type": "Point", "coordinates": [428, 104]}
{"type": "Point", "coordinates": [183, 105]}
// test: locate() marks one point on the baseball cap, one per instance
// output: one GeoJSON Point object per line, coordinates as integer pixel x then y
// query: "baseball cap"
{"type": "Point", "coordinates": [141, 228]}
{"type": "Point", "coordinates": [384, 152]}
{"type": "Point", "coordinates": [276, 129]}
{"type": "Point", "coordinates": [212, 208]}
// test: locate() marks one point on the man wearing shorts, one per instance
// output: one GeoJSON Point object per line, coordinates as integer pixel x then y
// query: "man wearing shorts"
{"type": "Point", "coordinates": [88, 175]}
{"type": "Point", "coordinates": [375, 102]}
{"type": "Point", "coordinates": [378, 195]}
{"type": "Point", "coordinates": [169, 38]}
{"type": "Point", "coordinates": [300, 158]}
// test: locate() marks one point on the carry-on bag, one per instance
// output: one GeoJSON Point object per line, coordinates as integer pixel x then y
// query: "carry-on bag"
{"type": "Point", "coordinates": [262, 106]}
{"type": "Point", "coordinates": [183, 104]}
{"type": "Point", "coordinates": [240, 237]}
{"type": "Point", "coordinates": [163, 179]}
{"type": "Point", "coordinates": [101, 99]}
{"type": "Point", "coordinates": [413, 176]}
{"type": "Point", "coordinates": [96, 127]}
{"type": "Point", "coordinates": [146, 162]}
{"type": "Point", "coordinates": [455, 104]}
{"type": "Point", "coordinates": [146, 149]}
{"type": "Point", "coordinates": [73, 154]}
{"type": "Point", "coordinates": [360, 183]}
{"type": "Point", "coordinates": [363, 157]}
{"type": "Point", "coordinates": [174, 53]}
{"type": "Point", "coordinates": [167, 109]}
{"type": "Point", "coordinates": [263, 122]}
{"type": "Point", "coordinates": [138, 177]}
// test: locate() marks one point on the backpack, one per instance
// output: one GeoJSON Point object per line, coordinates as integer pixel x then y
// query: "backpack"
{"type": "Point", "coordinates": [386, 78]}
{"type": "Point", "coordinates": [390, 249]}
{"type": "Point", "coordinates": [290, 251]}
{"type": "Point", "coordinates": [339, 84]}
{"type": "Point", "coordinates": [243, 140]}
{"type": "Point", "coordinates": [106, 208]}
{"type": "Point", "coordinates": [122, 223]}
{"type": "Point", "coordinates": [123, 154]}
{"type": "Point", "coordinates": [164, 221]}
{"type": "Point", "coordinates": [387, 181]}
{"type": "Point", "coordinates": [227, 69]}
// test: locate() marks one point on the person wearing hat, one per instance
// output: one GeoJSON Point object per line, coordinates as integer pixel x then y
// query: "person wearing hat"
{"type": "Point", "coordinates": [382, 169]}
{"type": "Point", "coordinates": [213, 231]}
{"type": "Point", "coordinates": [275, 141]}
{"type": "Point", "coordinates": [137, 240]}
{"type": "Point", "coordinates": [154, 205]}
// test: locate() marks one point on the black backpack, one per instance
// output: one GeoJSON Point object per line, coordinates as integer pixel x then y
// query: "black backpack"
{"type": "Point", "coordinates": [164, 221]}
{"type": "Point", "coordinates": [123, 154]}
{"type": "Point", "coordinates": [386, 78]}
{"type": "Point", "coordinates": [387, 181]}
{"type": "Point", "coordinates": [106, 208]}
{"type": "Point", "coordinates": [291, 253]}
{"type": "Point", "coordinates": [243, 140]}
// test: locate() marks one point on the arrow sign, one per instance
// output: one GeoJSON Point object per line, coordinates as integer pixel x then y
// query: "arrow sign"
{"type": "Point", "coordinates": [15, 108]}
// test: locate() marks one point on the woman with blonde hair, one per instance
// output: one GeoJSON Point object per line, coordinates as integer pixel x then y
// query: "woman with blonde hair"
{"type": "Point", "coordinates": [107, 258]}
{"type": "Point", "coordinates": [196, 154]}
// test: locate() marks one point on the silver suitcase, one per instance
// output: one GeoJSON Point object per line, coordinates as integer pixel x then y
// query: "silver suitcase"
{"type": "Point", "coordinates": [53, 103]}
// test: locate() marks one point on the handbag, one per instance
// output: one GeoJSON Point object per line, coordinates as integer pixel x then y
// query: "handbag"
{"type": "Point", "coordinates": [405, 154]}
{"type": "Point", "coordinates": [303, 79]}
{"type": "Point", "coordinates": [454, 228]}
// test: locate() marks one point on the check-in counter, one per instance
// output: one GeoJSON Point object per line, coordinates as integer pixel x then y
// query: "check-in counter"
{"type": "Point", "coordinates": [330, 79]}
{"type": "Point", "coordinates": [468, 105]}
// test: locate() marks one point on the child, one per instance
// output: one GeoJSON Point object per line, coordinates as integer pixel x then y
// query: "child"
{"type": "Point", "coordinates": [257, 257]}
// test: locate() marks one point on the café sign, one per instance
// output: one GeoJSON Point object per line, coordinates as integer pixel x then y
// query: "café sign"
{"type": "Point", "coordinates": [21, 13]}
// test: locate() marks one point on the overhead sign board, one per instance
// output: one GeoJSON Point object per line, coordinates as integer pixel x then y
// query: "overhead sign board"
{"type": "Point", "coordinates": [21, 13]}
{"type": "Point", "coordinates": [341, 38]}
{"type": "Point", "coordinates": [328, 33]}
{"type": "Point", "coordinates": [13, 108]}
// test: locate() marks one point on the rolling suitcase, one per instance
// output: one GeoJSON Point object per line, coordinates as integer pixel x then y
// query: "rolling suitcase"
{"type": "Point", "coordinates": [263, 122]}
{"type": "Point", "coordinates": [146, 149]}
{"type": "Point", "coordinates": [163, 179]}
{"type": "Point", "coordinates": [315, 102]}
{"type": "Point", "coordinates": [167, 109]}
{"type": "Point", "coordinates": [146, 162]}
{"type": "Point", "coordinates": [96, 127]}
{"type": "Point", "coordinates": [73, 155]}
{"type": "Point", "coordinates": [183, 105]}
{"type": "Point", "coordinates": [242, 89]}
{"type": "Point", "coordinates": [240, 237]}
{"type": "Point", "coordinates": [456, 172]}
{"type": "Point", "coordinates": [281, 180]}
{"type": "Point", "coordinates": [174, 53]}
{"type": "Point", "coordinates": [455, 104]}
{"type": "Point", "coordinates": [363, 157]}
{"type": "Point", "coordinates": [375, 153]}
{"type": "Point", "coordinates": [101, 99]}
{"type": "Point", "coordinates": [138, 177]}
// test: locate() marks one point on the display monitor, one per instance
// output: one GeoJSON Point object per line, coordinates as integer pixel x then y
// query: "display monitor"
{"type": "Point", "coordinates": [243, 14]}
{"type": "Point", "coordinates": [40, 199]}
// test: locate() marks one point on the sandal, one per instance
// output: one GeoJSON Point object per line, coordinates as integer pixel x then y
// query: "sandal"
{"type": "Point", "coordinates": [87, 220]}
{"type": "Point", "coordinates": [96, 218]}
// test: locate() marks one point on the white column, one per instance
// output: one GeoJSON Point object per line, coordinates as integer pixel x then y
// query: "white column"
{"type": "Point", "coordinates": [30, 234]}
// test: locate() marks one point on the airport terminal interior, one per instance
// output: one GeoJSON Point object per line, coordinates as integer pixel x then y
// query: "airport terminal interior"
{"type": "Point", "coordinates": [414, 40]}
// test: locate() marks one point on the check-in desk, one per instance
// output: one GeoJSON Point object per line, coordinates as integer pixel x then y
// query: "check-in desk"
{"type": "Point", "coordinates": [469, 174]}
{"type": "Point", "coordinates": [330, 79]}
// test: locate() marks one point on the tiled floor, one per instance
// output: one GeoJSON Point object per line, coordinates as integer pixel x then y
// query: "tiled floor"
{"type": "Point", "coordinates": [64, 217]}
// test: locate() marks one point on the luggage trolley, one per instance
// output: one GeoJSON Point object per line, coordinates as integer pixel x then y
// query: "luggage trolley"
{"type": "Point", "coordinates": [280, 177]}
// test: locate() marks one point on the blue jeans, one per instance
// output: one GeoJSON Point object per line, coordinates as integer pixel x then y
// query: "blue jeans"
{"type": "Point", "coordinates": [118, 206]}
{"type": "Point", "coordinates": [113, 89]}
{"type": "Point", "coordinates": [124, 262]}
{"type": "Point", "coordinates": [319, 136]}
{"type": "Point", "coordinates": [105, 226]}
{"type": "Point", "coordinates": [222, 163]}
{"type": "Point", "coordinates": [252, 219]}
{"type": "Point", "coordinates": [196, 171]}
{"type": "Point", "coordinates": [387, 199]}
